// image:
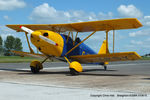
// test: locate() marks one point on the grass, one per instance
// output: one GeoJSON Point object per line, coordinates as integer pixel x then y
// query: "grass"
{"type": "Point", "coordinates": [16, 59]}
{"type": "Point", "coordinates": [145, 58]}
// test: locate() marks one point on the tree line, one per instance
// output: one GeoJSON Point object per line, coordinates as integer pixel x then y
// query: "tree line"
{"type": "Point", "coordinates": [11, 43]}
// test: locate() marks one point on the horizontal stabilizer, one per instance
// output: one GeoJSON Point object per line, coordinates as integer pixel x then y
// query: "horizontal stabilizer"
{"type": "Point", "coordinates": [110, 57]}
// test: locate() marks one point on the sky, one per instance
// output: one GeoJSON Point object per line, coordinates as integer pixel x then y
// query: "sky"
{"type": "Point", "coordinates": [69, 11]}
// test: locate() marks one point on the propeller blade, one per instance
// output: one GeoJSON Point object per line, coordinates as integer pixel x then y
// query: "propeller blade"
{"type": "Point", "coordinates": [26, 29]}
{"type": "Point", "coordinates": [48, 40]}
{"type": "Point", "coordinates": [40, 36]}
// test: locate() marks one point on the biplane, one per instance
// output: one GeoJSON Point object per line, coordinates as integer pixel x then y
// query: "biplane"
{"type": "Point", "coordinates": [51, 41]}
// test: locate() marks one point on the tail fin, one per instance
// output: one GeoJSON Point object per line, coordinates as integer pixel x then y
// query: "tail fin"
{"type": "Point", "coordinates": [103, 49]}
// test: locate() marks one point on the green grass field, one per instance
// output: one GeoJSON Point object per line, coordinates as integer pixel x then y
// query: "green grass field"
{"type": "Point", "coordinates": [16, 59]}
{"type": "Point", "coordinates": [145, 58]}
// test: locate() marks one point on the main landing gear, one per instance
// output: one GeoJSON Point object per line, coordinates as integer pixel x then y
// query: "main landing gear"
{"type": "Point", "coordinates": [75, 67]}
{"type": "Point", "coordinates": [36, 66]}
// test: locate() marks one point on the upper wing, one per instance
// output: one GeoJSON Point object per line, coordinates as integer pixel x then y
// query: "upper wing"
{"type": "Point", "coordinates": [123, 56]}
{"type": "Point", "coordinates": [102, 25]}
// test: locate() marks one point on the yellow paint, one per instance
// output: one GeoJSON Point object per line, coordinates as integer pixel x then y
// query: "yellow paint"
{"type": "Point", "coordinates": [103, 49]}
{"type": "Point", "coordinates": [31, 50]}
{"type": "Point", "coordinates": [68, 37]}
{"type": "Point", "coordinates": [76, 65]}
{"type": "Point", "coordinates": [67, 60]}
{"type": "Point", "coordinates": [29, 54]}
{"type": "Point", "coordinates": [83, 53]}
{"type": "Point", "coordinates": [36, 63]}
{"type": "Point", "coordinates": [75, 38]}
{"type": "Point", "coordinates": [47, 48]}
{"type": "Point", "coordinates": [113, 41]}
{"type": "Point", "coordinates": [101, 25]}
{"type": "Point", "coordinates": [122, 56]}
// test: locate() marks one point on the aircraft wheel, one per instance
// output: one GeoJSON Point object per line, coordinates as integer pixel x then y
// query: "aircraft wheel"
{"type": "Point", "coordinates": [75, 67]}
{"type": "Point", "coordinates": [105, 67]}
{"type": "Point", "coordinates": [35, 66]}
{"type": "Point", "coordinates": [73, 72]}
{"type": "Point", "coordinates": [34, 69]}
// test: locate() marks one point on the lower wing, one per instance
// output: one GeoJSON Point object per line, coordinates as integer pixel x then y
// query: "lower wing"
{"type": "Point", "coordinates": [35, 55]}
{"type": "Point", "coordinates": [29, 54]}
{"type": "Point", "coordinates": [98, 58]}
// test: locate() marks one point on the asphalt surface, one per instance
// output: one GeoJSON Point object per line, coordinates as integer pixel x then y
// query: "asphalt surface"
{"type": "Point", "coordinates": [116, 68]}
{"type": "Point", "coordinates": [54, 82]}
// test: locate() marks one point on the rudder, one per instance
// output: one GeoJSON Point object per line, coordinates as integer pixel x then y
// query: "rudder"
{"type": "Point", "coordinates": [104, 50]}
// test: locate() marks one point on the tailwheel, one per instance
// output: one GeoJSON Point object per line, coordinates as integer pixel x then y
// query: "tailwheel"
{"type": "Point", "coordinates": [36, 66]}
{"type": "Point", "coordinates": [75, 67]}
{"type": "Point", "coordinates": [105, 67]}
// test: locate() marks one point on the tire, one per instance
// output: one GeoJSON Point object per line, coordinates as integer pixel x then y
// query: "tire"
{"type": "Point", "coordinates": [105, 67]}
{"type": "Point", "coordinates": [73, 72]}
{"type": "Point", "coordinates": [34, 70]}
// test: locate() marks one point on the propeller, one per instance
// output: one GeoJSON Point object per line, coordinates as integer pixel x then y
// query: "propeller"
{"type": "Point", "coordinates": [40, 36]}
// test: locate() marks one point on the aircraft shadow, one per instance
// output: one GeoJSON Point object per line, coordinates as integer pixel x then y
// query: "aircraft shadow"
{"type": "Point", "coordinates": [89, 70]}
{"type": "Point", "coordinates": [89, 74]}
{"type": "Point", "coordinates": [146, 78]}
{"type": "Point", "coordinates": [16, 70]}
{"type": "Point", "coordinates": [67, 73]}
{"type": "Point", "coordinates": [45, 72]}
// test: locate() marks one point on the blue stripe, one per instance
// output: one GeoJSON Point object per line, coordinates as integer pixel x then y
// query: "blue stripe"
{"type": "Point", "coordinates": [65, 47]}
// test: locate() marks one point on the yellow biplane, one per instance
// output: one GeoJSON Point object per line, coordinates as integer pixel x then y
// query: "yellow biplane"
{"type": "Point", "coordinates": [56, 41]}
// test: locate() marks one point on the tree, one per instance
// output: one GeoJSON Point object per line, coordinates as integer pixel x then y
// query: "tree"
{"type": "Point", "coordinates": [17, 44]}
{"type": "Point", "coordinates": [1, 45]}
{"type": "Point", "coordinates": [8, 45]}
{"type": "Point", "coordinates": [12, 43]}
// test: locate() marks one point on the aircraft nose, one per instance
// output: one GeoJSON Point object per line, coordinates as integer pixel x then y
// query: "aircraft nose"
{"type": "Point", "coordinates": [35, 35]}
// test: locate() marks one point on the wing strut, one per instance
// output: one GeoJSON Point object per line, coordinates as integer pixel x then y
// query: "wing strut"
{"type": "Point", "coordinates": [72, 36]}
{"type": "Point", "coordinates": [31, 50]}
{"type": "Point", "coordinates": [68, 37]}
{"type": "Point", "coordinates": [107, 42]}
{"type": "Point", "coordinates": [75, 38]}
{"type": "Point", "coordinates": [113, 41]}
{"type": "Point", "coordinates": [80, 43]}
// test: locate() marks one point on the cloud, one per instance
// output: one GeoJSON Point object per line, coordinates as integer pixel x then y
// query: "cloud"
{"type": "Point", "coordinates": [144, 32]}
{"type": "Point", "coordinates": [6, 17]}
{"type": "Point", "coordinates": [129, 11]}
{"type": "Point", "coordinates": [136, 42]}
{"type": "Point", "coordinates": [146, 20]}
{"type": "Point", "coordinates": [5, 31]}
{"type": "Point", "coordinates": [48, 14]}
{"type": "Point", "coordinates": [11, 4]}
